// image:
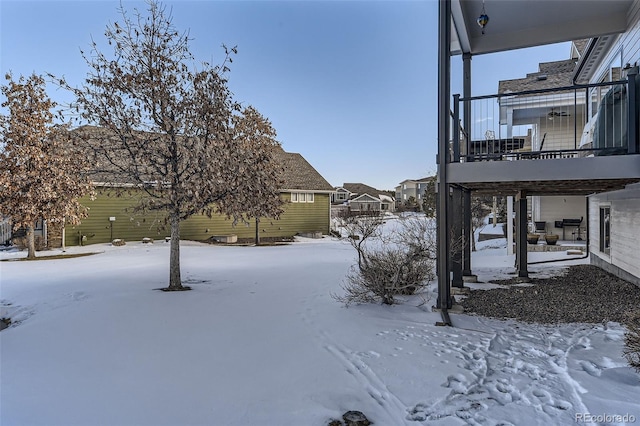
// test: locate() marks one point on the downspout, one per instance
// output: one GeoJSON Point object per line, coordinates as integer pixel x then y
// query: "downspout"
{"type": "Point", "coordinates": [586, 241]}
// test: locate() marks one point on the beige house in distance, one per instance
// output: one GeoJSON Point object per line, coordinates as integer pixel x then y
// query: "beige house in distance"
{"type": "Point", "coordinates": [550, 121]}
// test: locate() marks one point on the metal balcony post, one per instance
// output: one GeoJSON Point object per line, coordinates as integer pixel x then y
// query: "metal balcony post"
{"type": "Point", "coordinates": [632, 109]}
{"type": "Point", "coordinates": [521, 235]}
{"type": "Point", "coordinates": [466, 199]}
{"type": "Point", "coordinates": [444, 88]}
{"type": "Point", "coordinates": [456, 128]}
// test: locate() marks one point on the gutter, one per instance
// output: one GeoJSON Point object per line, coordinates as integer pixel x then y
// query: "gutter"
{"type": "Point", "coordinates": [583, 59]}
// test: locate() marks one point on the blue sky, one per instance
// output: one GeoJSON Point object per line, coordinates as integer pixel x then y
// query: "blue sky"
{"type": "Point", "coordinates": [351, 85]}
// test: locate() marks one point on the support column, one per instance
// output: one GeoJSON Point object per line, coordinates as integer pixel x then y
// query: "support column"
{"type": "Point", "coordinates": [467, 235]}
{"type": "Point", "coordinates": [510, 219]}
{"type": "Point", "coordinates": [444, 89]}
{"type": "Point", "coordinates": [457, 237]}
{"type": "Point", "coordinates": [521, 235]}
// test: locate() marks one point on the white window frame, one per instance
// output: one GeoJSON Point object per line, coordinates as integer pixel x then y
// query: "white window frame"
{"type": "Point", "coordinates": [302, 197]}
{"type": "Point", "coordinates": [604, 226]}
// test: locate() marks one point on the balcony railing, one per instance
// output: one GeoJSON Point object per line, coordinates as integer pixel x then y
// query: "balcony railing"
{"type": "Point", "coordinates": [564, 122]}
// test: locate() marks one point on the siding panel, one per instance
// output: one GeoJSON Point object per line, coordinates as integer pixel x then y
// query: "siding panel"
{"type": "Point", "coordinates": [561, 207]}
{"type": "Point", "coordinates": [629, 41]}
{"type": "Point", "coordinates": [625, 244]}
{"type": "Point", "coordinates": [297, 218]}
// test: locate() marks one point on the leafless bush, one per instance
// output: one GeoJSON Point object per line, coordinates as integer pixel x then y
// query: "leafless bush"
{"type": "Point", "coordinates": [389, 264]}
{"type": "Point", "coordinates": [632, 340]}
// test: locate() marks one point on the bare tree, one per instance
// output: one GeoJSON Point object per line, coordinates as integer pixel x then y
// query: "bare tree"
{"type": "Point", "coordinates": [169, 122]}
{"type": "Point", "coordinates": [39, 176]}
{"type": "Point", "coordinates": [259, 172]}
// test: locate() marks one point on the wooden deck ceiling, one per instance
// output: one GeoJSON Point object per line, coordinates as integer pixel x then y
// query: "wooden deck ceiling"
{"type": "Point", "coordinates": [571, 176]}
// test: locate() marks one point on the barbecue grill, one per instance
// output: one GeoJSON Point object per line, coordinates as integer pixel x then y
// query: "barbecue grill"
{"type": "Point", "coordinates": [569, 223]}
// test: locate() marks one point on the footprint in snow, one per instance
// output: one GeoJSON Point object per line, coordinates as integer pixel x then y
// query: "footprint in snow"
{"type": "Point", "coordinates": [591, 368]}
{"type": "Point", "coordinates": [369, 354]}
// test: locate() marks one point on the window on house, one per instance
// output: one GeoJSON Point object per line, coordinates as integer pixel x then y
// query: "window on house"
{"type": "Point", "coordinates": [302, 197]}
{"type": "Point", "coordinates": [605, 229]}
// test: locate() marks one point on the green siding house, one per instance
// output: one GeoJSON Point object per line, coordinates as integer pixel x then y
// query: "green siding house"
{"type": "Point", "coordinates": [307, 210]}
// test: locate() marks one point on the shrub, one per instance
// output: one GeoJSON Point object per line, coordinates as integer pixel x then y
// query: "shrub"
{"type": "Point", "coordinates": [391, 264]}
{"type": "Point", "coordinates": [632, 340]}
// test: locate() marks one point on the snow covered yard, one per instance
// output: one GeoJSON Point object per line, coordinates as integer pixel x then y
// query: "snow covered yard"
{"type": "Point", "coordinates": [260, 341]}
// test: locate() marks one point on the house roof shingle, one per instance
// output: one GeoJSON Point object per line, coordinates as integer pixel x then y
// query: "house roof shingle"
{"type": "Point", "coordinates": [581, 45]}
{"type": "Point", "coordinates": [550, 75]}
{"type": "Point", "coordinates": [297, 172]}
{"type": "Point", "coordinates": [360, 188]}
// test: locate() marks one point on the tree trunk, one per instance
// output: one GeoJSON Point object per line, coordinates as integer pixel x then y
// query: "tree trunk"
{"type": "Point", "coordinates": [473, 239]}
{"type": "Point", "coordinates": [31, 243]}
{"type": "Point", "coordinates": [257, 231]}
{"type": "Point", "coordinates": [175, 283]}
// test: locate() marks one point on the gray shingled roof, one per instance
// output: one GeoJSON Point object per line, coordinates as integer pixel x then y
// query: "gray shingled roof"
{"type": "Point", "coordinates": [299, 174]}
{"type": "Point", "coordinates": [361, 188]}
{"type": "Point", "coordinates": [581, 45]}
{"type": "Point", "coordinates": [550, 75]}
{"type": "Point", "coordinates": [556, 67]}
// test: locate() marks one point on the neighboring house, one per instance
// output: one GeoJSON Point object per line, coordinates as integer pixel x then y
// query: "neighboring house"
{"type": "Point", "coordinates": [44, 234]}
{"type": "Point", "coordinates": [604, 158]}
{"type": "Point", "coordinates": [412, 188]}
{"type": "Point", "coordinates": [307, 210]}
{"type": "Point", "coordinates": [572, 122]}
{"type": "Point", "coordinates": [365, 204]}
{"type": "Point", "coordinates": [340, 196]}
{"type": "Point", "coordinates": [5, 231]}
{"type": "Point", "coordinates": [364, 199]}
{"type": "Point", "coordinates": [542, 123]}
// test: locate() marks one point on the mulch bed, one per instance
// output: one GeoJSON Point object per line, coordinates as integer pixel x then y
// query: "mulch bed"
{"type": "Point", "coordinates": [585, 293]}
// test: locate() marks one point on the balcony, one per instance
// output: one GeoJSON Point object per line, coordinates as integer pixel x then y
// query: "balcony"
{"type": "Point", "coordinates": [567, 140]}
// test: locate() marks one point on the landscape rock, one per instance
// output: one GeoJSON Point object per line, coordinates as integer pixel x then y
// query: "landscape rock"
{"type": "Point", "coordinates": [584, 293]}
{"type": "Point", "coordinates": [355, 418]}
